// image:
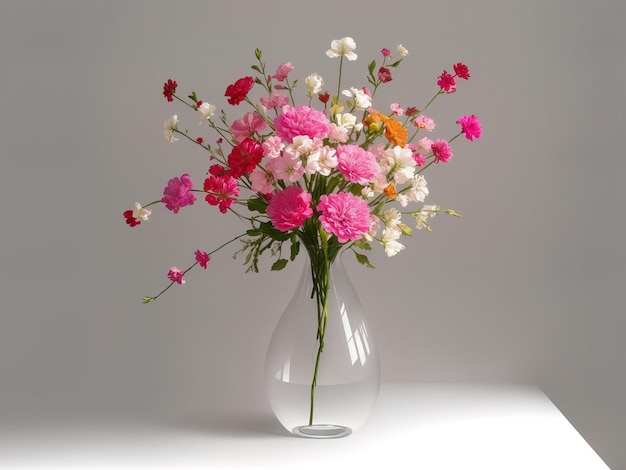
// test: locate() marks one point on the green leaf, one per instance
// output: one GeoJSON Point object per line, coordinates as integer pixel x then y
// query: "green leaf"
{"type": "Point", "coordinates": [256, 67]}
{"type": "Point", "coordinates": [253, 232]}
{"type": "Point", "coordinates": [295, 248]}
{"type": "Point", "coordinates": [371, 67]}
{"type": "Point", "coordinates": [147, 299]}
{"type": "Point", "coordinates": [280, 264]}
{"type": "Point", "coordinates": [258, 53]}
{"type": "Point", "coordinates": [193, 97]}
{"type": "Point", "coordinates": [268, 229]}
{"type": "Point", "coordinates": [363, 245]}
{"type": "Point", "coordinates": [257, 204]}
{"type": "Point", "coordinates": [258, 80]}
{"type": "Point", "coordinates": [396, 63]}
{"type": "Point", "coordinates": [361, 258]}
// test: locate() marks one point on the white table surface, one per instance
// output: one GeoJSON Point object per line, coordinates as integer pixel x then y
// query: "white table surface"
{"type": "Point", "coordinates": [413, 426]}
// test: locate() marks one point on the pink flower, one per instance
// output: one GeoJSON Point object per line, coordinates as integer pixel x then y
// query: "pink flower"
{"type": "Point", "coordinates": [244, 157]}
{"type": "Point", "coordinates": [262, 181]}
{"type": "Point", "coordinates": [420, 160]}
{"type": "Point", "coordinates": [424, 122]}
{"type": "Point", "coordinates": [176, 194]}
{"type": "Point", "coordinates": [169, 88]}
{"type": "Point", "coordinates": [202, 258]}
{"type": "Point", "coordinates": [356, 164]}
{"type": "Point", "coordinates": [344, 215]}
{"type": "Point", "coordinates": [461, 71]}
{"type": "Point", "coordinates": [425, 143]}
{"type": "Point", "coordinates": [275, 100]}
{"type": "Point", "coordinates": [272, 146]}
{"type": "Point", "coordinates": [471, 126]}
{"type": "Point", "coordinates": [442, 151]}
{"type": "Point", "coordinates": [289, 208]}
{"type": "Point", "coordinates": [396, 109]}
{"type": "Point", "coordinates": [447, 82]}
{"type": "Point", "coordinates": [176, 275]}
{"type": "Point", "coordinates": [287, 167]}
{"type": "Point", "coordinates": [238, 91]}
{"type": "Point", "coordinates": [223, 191]}
{"type": "Point", "coordinates": [384, 74]}
{"type": "Point", "coordinates": [385, 52]}
{"type": "Point", "coordinates": [282, 71]}
{"type": "Point", "coordinates": [301, 120]}
{"type": "Point", "coordinates": [247, 126]}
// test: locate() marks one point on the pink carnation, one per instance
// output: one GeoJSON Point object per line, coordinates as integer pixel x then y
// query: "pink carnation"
{"type": "Point", "coordinates": [223, 191]}
{"type": "Point", "coordinates": [442, 151]}
{"type": "Point", "coordinates": [247, 126]}
{"type": "Point", "coordinates": [345, 215]}
{"type": "Point", "coordinates": [275, 100]}
{"type": "Point", "coordinates": [301, 120]}
{"type": "Point", "coordinates": [202, 258]}
{"type": "Point", "coordinates": [461, 71]}
{"type": "Point", "coordinates": [289, 208]}
{"type": "Point", "coordinates": [356, 164]}
{"type": "Point", "coordinates": [471, 126]}
{"type": "Point", "coordinates": [176, 194]}
{"type": "Point", "coordinates": [424, 122]}
{"type": "Point", "coordinates": [282, 71]}
{"type": "Point", "coordinates": [176, 275]}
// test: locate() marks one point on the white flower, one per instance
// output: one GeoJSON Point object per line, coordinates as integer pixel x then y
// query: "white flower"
{"type": "Point", "coordinates": [361, 99]}
{"type": "Point", "coordinates": [419, 189]}
{"type": "Point", "coordinates": [343, 46]}
{"type": "Point", "coordinates": [390, 241]}
{"type": "Point", "coordinates": [346, 120]}
{"type": "Point", "coordinates": [314, 83]}
{"type": "Point", "coordinates": [391, 218]}
{"type": "Point", "coordinates": [305, 145]}
{"type": "Point", "coordinates": [141, 212]}
{"type": "Point", "coordinates": [322, 161]}
{"type": "Point", "coordinates": [403, 51]}
{"type": "Point", "coordinates": [168, 128]}
{"type": "Point", "coordinates": [205, 111]}
{"type": "Point", "coordinates": [399, 162]}
{"type": "Point", "coordinates": [422, 216]}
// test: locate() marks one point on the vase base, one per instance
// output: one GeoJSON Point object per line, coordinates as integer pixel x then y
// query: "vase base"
{"type": "Point", "coordinates": [322, 431]}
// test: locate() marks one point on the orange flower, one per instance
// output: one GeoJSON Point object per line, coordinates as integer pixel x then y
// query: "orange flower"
{"type": "Point", "coordinates": [396, 133]}
{"type": "Point", "coordinates": [390, 191]}
{"type": "Point", "coordinates": [374, 116]}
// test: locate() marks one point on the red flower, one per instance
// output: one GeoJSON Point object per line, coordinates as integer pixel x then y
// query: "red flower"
{"type": "Point", "coordinates": [461, 71]}
{"type": "Point", "coordinates": [384, 74]}
{"type": "Point", "coordinates": [447, 82]}
{"type": "Point", "coordinates": [217, 170]}
{"type": "Point", "coordinates": [244, 157]}
{"type": "Point", "coordinates": [130, 219]}
{"type": "Point", "coordinates": [223, 191]}
{"type": "Point", "coordinates": [324, 97]}
{"type": "Point", "coordinates": [169, 88]}
{"type": "Point", "coordinates": [238, 91]}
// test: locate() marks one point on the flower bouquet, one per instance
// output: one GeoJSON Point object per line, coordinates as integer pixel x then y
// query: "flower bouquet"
{"type": "Point", "coordinates": [332, 175]}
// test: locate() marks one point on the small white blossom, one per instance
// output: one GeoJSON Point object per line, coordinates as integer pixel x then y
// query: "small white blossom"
{"type": "Point", "coordinates": [400, 163]}
{"type": "Point", "coordinates": [346, 120]}
{"type": "Point", "coordinates": [419, 189]}
{"type": "Point", "coordinates": [205, 111]}
{"type": "Point", "coordinates": [322, 161]}
{"type": "Point", "coordinates": [168, 128]}
{"type": "Point", "coordinates": [342, 47]}
{"type": "Point", "coordinates": [422, 216]}
{"type": "Point", "coordinates": [314, 83]}
{"type": "Point", "coordinates": [390, 241]}
{"type": "Point", "coordinates": [141, 212]}
{"type": "Point", "coordinates": [403, 51]}
{"type": "Point", "coordinates": [361, 99]}
{"type": "Point", "coordinates": [391, 218]}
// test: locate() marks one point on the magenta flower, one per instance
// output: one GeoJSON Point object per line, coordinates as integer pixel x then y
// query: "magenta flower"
{"type": "Point", "coordinates": [176, 194]}
{"type": "Point", "coordinates": [461, 71]}
{"type": "Point", "coordinates": [301, 120]}
{"type": "Point", "coordinates": [247, 126]}
{"type": "Point", "coordinates": [356, 164]}
{"type": "Point", "coordinates": [447, 82]}
{"type": "Point", "coordinates": [169, 88]}
{"type": "Point", "coordinates": [344, 215]}
{"type": "Point", "coordinates": [471, 126]}
{"type": "Point", "coordinates": [385, 52]}
{"type": "Point", "coordinates": [202, 258]}
{"type": "Point", "coordinates": [176, 275]}
{"type": "Point", "coordinates": [442, 151]}
{"type": "Point", "coordinates": [223, 191]}
{"type": "Point", "coordinates": [289, 208]}
{"type": "Point", "coordinates": [282, 71]}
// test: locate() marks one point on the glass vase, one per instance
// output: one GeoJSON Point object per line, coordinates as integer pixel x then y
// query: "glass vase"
{"type": "Point", "coordinates": [322, 370]}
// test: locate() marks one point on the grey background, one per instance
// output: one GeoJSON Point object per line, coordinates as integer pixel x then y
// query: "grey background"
{"type": "Point", "coordinates": [527, 287]}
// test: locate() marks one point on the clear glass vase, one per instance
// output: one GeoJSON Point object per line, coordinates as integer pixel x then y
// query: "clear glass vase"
{"type": "Point", "coordinates": [322, 370]}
